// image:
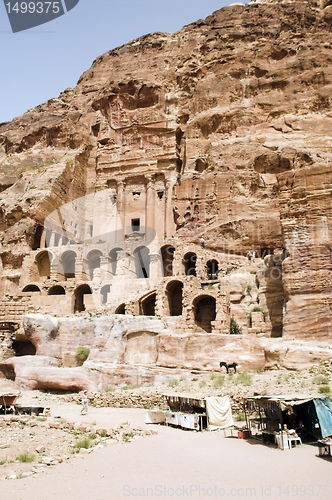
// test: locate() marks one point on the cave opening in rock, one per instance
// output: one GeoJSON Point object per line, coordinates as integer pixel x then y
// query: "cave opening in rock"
{"type": "Point", "coordinates": [275, 299]}
{"type": "Point", "coordinates": [205, 312]}
{"type": "Point", "coordinates": [23, 348]}
{"type": "Point", "coordinates": [37, 238]}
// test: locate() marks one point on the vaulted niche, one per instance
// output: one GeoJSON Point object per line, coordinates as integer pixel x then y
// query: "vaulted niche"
{"type": "Point", "coordinates": [189, 264]}
{"type": "Point", "coordinates": [93, 261]}
{"type": "Point", "coordinates": [57, 290]}
{"type": "Point", "coordinates": [115, 256]}
{"type": "Point", "coordinates": [205, 312]}
{"type": "Point", "coordinates": [148, 305]}
{"type": "Point", "coordinates": [167, 254]}
{"type": "Point", "coordinates": [43, 264]}
{"type": "Point", "coordinates": [31, 288]}
{"type": "Point", "coordinates": [67, 264]}
{"type": "Point", "coordinates": [174, 292]}
{"type": "Point", "coordinates": [79, 297]}
{"type": "Point", "coordinates": [212, 269]}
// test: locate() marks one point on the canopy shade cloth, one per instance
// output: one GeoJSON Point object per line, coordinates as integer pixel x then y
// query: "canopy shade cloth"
{"type": "Point", "coordinates": [315, 413]}
{"type": "Point", "coordinates": [217, 408]}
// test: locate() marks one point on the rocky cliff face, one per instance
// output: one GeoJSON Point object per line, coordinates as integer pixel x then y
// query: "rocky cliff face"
{"type": "Point", "coordinates": [231, 120]}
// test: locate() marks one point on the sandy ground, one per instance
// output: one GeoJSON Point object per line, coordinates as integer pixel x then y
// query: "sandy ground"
{"type": "Point", "coordinates": [174, 464]}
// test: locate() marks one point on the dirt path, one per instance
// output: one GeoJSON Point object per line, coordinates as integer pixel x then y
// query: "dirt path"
{"type": "Point", "coordinates": [176, 464]}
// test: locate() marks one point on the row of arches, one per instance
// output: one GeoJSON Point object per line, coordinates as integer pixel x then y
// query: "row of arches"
{"type": "Point", "coordinates": [66, 264]}
{"type": "Point", "coordinates": [79, 293]}
{"type": "Point", "coordinates": [203, 307]}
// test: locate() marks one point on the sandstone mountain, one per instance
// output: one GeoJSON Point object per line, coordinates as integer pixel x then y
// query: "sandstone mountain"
{"type": "Point", "coordinates": [221, 130]}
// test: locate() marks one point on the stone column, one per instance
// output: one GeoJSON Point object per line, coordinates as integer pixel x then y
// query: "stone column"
{"type": "Point", "coordinates": [120, 199]}
{"type": "Point", "coordinates": [150, 210]}
{"type": "Point", "coordinates": [169, 217]}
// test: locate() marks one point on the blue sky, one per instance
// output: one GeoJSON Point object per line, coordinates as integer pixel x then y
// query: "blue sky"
{"type": "Point", "coordinates": [39, 63]}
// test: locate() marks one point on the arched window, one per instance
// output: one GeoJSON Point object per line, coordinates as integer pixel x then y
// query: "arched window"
{"type": "Point", "coordinates": [189, 263]}
{"type": "Point", "coordinates": [142, 262]}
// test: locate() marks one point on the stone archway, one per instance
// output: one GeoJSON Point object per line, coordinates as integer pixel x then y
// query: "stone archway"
{"type": "Point", "coordinates": [68, 262]}
{"type": "Point", "coordinates": [148, 305]}
{"type": "Point", "coordinates": [174, 292]}
{"type": "Point", "coordinates": [212, 269]}
{"type": "Point", "coordinates": [167, 254]}
{"type": "Point", "coordinates": [189, 264]}
{"type": "Point", "coordinates": [43, 264]}
{"type": "Point", "coordinates": [93, 259]}
{"type": "Point", "coordinates": [121, 309]}
{"type": "Point", "coordinates": [31, 288]}
{"type": "Point", "coordinates": [56, 290]}
{"type": "Point", "coordinates": [204, 308]}
{"type": "Point", "coordinates": [115, 255]}
{"type": "Point", "coordinates": [79, 297]}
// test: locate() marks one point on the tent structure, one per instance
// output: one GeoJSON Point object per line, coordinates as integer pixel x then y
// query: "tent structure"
{"type": "Point", "coordinates": [195, 412]}
{"type": "Point", "coordinates": [294, 410]}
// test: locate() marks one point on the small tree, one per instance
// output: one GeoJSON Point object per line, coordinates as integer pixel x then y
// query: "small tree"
{"type": "Point", "coordinates": [82, 353]}
{"type": "Point", "coordinates": [234, 328]}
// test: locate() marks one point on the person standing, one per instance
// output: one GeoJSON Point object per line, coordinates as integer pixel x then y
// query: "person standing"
{"type": "Point", "coordinates": [84, 410]}
{"type": "Point", "coordinates": [202, 240]}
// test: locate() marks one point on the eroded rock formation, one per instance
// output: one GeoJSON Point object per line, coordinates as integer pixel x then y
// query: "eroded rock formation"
{"type": "Point", "coordinates": [222, 130]}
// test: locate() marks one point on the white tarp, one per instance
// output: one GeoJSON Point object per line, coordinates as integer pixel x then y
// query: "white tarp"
{"type": "Point", "coordinates": [219, 412]}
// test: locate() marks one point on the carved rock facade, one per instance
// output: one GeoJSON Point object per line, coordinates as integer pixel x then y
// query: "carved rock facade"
{"type": "Point", "coordinates": [222, 130]}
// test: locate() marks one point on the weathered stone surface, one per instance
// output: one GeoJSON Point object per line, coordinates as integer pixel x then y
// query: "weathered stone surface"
{"type": "Point", "coordinates": [223, 130]}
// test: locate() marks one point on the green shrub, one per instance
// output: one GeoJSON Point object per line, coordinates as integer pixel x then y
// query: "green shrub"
{"type": "Point", "coordinates": [110, 389]}
{"type": "Point", "coordinates": [234, 328]}
{"type": "Point", "coordinates": [129, 387]}
{"type": "Point", "coordinates": [82, 353]}
{"type": "Point", "coordinates": [212, 376]}
{"type": "Point", "coordinates": [25, 458]}
{"type": "Point", "coordinates": [202, 383]}
{"type": "Point", "coordinates": [218, 381]}
{"type": "Point", "coordinates": [324, 389]}
{"type": "Point", "coordinates": [243, 379]}
{"type": "Point", "coordinates": [240, 416]}
{"type": "Point", "coordinates": [84, 443]}
{"type": "Point", "coordinates": [320, 380]}
{"type": "Point", "coordinates": [173, 382]}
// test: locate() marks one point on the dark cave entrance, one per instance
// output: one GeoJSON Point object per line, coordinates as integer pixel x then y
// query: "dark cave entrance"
{"type": "Point", "coordinates": [23, 348]}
